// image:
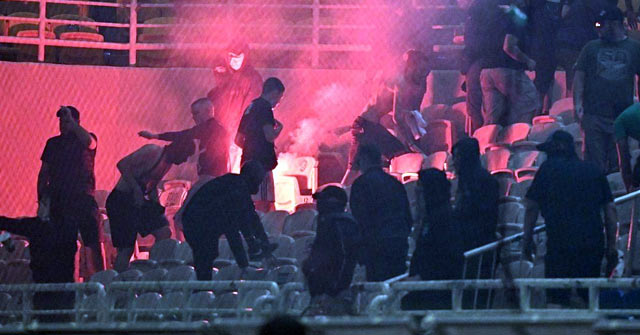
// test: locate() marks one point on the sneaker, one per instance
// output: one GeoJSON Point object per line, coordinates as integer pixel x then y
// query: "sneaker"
{"type": "Point", "coordinates": [264, 251]}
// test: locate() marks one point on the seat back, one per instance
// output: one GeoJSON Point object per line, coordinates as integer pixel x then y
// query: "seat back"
{"type": "Point", "coordinates": [541, 131]}
{"type": "Point", "coordinates": [154, 275]}
{"type": "Point", "coordinates": [285, 246]}
{"type": "Point", "coordinates": [487, 136]}
{"type": "Point", "coordinates": [181, 273]}
{"type": "Point", "coordinates": [511, 212]}
{"type": "Point", "coordinates": [300, 220]}
{"type": "Point", "coordinates": [60, 28]}
{"type": "Point", "coordinates": [148, 302]}
{"type": "Point", "coordinates": [302, 248]}
{"type": "Point", "coordinates": [439, 137]}
{"type": "Point", "coordinates": [129, 275]}
{"type": "Point", "coordinates": [514, 133]}
{"type": "Point", "coordinates": [520, 189]}
{"type": "Point", "coordinates": [284, 274]}
{"type": "Point", "coordinates": [104, 277]}
{"type": "Point", "coordinates": [438, 160]}
{"type": "Point", "coordinates": [274, 221]}
{"type": "Point", "coordinates": [18, 272]}
{"type": "Point", "coordinates": [497, 159]}
{"type": "Point", "coordinates": [163, 249]}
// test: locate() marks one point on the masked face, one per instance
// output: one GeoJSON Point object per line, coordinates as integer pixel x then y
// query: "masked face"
{"type": "Point", "coordinates": [236, 61]}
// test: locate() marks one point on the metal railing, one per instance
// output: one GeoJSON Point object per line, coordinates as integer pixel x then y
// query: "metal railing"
{"type": "Point", "coordinates": [133, 46]}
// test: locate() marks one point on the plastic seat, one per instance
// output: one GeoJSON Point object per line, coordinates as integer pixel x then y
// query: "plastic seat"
{"type": "Point", "coordinates": [60, 28]}
{"type": "Point", "coordinates": [181, 273]}
{"type": "Point", "coordinates": [143, 265]}
{"type": "Point", "coordinates": [511, 212]}
{"type": "Point", "coordinates": [438, 160]}
{"type": "Point", "coordinates": [439, 137]}
{"type": "Point", "coordinates": [487, 136]}
{"type": "Point", "coordinates": [521, 269]}
{"type": "Point", "coordinates": [224, 250]}
{"type": "Point", "coordinates": [173, 197]}
{"type": "Point", "coordinates": [514, 133]}
{"type": "Point", "coordinates": [616, 183]}
{"type": "Point", "coordinates": [85, 56]}
{"type": "Point", "coordinates": [563, 109]}
{"type": "Point", "coordinates": [273, 222]}
{"type": "Point", "coordinates": [129, 275]}
{"type": "Point", "coordinates": [231, 272]}
{"type": "Point", "coordinates": [541, 131]}
{"type": "Point", "coordinates": [154, 275]}
{"type": "Point", "coordinates": [226, 300]}
{"type": "Point", "coordinates": [56, 9]}
{"type": "Point", "coordinates": [301, 220]}
{"type": "Point", "coordinates": [20, 251]}
{"type": "Point", "coordinates": [172, 301]}
{"type": "Point", "coordinates": [104, 277]}
{"type": "Point", "coordinates": [143, 306]}
{"type": "Point", "coordinates": [407, 166]}
{"type": "Point", "coordinates": [497, 160]}
{"type": "Point", "coordinates": [200, 300]}
{"type": "Point", "coordinates": [184, 253]}
{"type": "Point", "coordinates": [16, 25]}
{"type": "Point", "coordinates": [284, 274]}
{"type": "Point", "coordinates": [520, 189]}
{"type": "Point", "coordinates": [29, 53]}
{"type": "Point", "coordinates": [412, 188]}
{"type": "Point", "coordinates": [285, 246]}
{"type": "Point", "coordinates": [163, 249]}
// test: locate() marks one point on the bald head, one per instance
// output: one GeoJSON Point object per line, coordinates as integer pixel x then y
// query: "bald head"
{"type": "Point", "coordinates": [202, 110]}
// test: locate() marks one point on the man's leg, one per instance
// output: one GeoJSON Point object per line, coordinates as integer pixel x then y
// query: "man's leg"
{"type": "Point", "coordinates": [567, 59]}
{"type": "Point", "coordinates": [474, 96]}
{"type": "Point", "coordinates": [595, 145]}
{"type": "Point", "coordinates": [493, 100]}
{"type": "Point", "coordinates": [523, 98]}
{"type": "Point", "coordinates": [86, 219]}
{"type": "Point", "coordinates": [20, 226]}
{"type": "Point", "coordinates": [204, 253]}
{"type": "Point", "coordinates": [122, 219]}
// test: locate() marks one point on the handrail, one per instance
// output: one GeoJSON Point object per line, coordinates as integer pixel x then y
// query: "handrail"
{"type": "Point", "coordinates": [626, 197]}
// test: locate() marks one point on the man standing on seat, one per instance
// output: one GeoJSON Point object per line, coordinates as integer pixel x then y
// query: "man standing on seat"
{"type": "Point", "coordinates": [603, 86]}
{"type": "Point", "coordinates": [223, 206]}
{"type": "Point", "coordinates": [571, 194]}
{"type": "Point", "coordinates": [66, 184]}
{"type": "Point", "coordinates": [133, 206]}
{"type": "Point", "coordinates": [400, 96]}
{"type": "Point", "coordinates": [627, 125]}
{"type": "Point", "coordinates": [380, 204]}
{"type": "Point", "coordinates": [256, 135]}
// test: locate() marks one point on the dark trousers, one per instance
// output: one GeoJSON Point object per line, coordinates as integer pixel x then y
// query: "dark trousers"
{"type": "Point", "coordinates": [599, 144]}
{"type": "Point", "coordinates": [580, 263]}
{"type": "Point", "coordinates": [387, 259]}
{"type": "Point", "coordinates": [474, 96]}
{"type": "Point", "coordinates": [566, 59]}
{"type": "Point", "coordinates": [545, 27]}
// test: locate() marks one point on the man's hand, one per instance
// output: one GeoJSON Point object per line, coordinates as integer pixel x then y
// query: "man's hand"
{"type": "Point", "coordinates": [579, 111]}
{"type": "Point", "coordinates": [138, 198]}
{"type": "Point", "coordinates": [278, 126]}
{"type": "Point", "coordinates": [632, 20]}
{"type": "Point", "coordinates": [148, 135]}
{"type": "Point", "coordinates": [531, 65]}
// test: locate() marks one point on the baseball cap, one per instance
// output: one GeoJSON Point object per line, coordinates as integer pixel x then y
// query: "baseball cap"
{"type": "Point", "coordinates": [559, 141]}
{"type": "Point", "coordinates": [75, 114]}
{"type": "Point", "coordinates": [609, 14]}
{"type": "Point", "coordinates": [331, 193]}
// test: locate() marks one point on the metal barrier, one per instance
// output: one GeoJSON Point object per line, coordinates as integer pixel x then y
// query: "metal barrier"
{"type": "Point", "coordinates": [524, 288]}
{"type": "Point", "coordinates": [260, 306]}
{"type": "Point", "coordinates": [133, 46]}
{"type": "Point", "coordinates": [25, 294]}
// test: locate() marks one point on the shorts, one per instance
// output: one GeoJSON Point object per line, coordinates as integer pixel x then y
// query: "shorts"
{"type": "Point", "coordinates": [127, 221]}
{"type": "Point", "coordinates": [267, 189]}
{"type": "Point", "coordinates": [78, 213]}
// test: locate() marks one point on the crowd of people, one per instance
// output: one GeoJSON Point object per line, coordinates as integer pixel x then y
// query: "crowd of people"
{"type": "Point", "coordinates": [569, 193]}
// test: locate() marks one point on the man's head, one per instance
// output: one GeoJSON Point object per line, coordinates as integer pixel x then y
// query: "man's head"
{"type": "Point", "coordinates": [330, 199]}
{"type": "Point", "coordinates": [272, 91]}
{"type": "Point", "coordinates": [559, 144]}
{"type": "Point", "coordinates": [179, 151]}
{"type": "Point", "coordinates": [368, 156]}
{"type": "Point", "coordinates": [609, 24]}
{"type": "Point", "coordinates": [202, 110]}
{"type": "Point", "coordinates": [436, 188]}
{"type": "Point", "coordinates": [466, 154]}
{"type": "Point", "coordinates": [253, 173]}
{"type": "Point", "coordinates": [416, 66]}
{"type": "Point", "coordinates": [68, 115]}
{"type": "Point", "coordinates": [237, 55]}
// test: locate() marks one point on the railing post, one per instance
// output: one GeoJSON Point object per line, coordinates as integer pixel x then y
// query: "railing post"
{"type": "Point", "coordinates": [594, 298]}
{"type": "Point", "coordinates": [133, 31]}
{"type": "Point", "coordinates": [42, 24]}
{"type": "Point", "coordinates": [631, 242]}
{"type": "Point", "coordinates": [315, 35]}
{"type": "Point", "coordinates": [475, 295]}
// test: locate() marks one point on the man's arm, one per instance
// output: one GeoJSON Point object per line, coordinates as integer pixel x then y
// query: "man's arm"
{"type": "Point", "coordinates": [235, 244]}
{"type": "Point", "coordinates": [578, 94]}
{"type": "Point", "coordinates": [632, 19]}
{"type": "Point", "coordinates": [624, 162]}
{"type": "Point", "coordinates": [172, 136]}
{"type": "Point", "coordinates": [131, 165]}
{"type": "Point", "coordinates": [43, 181]}
{"type": "Point", "coordinates": [510, 47]}
{"type": "Point", "coordinates": [82, 134]}
{"type": "Point", "coordinates": [271, 132]}
{"type": "Point", "coordinates": [532, 210]}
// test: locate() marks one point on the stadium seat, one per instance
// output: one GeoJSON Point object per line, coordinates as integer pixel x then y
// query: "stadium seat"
{"type": "Point", "coordinates": [273, 222]}
{"type": "Point", "coordinates": [563, 109]}
{"type": "Point", "coordinates": [521, 269]}
{"type": "Point", "coordinates": [104, 277]}
{"type": "Point", "coordinates": [514, 133]}
{"type": "Point", "coordinates": [154, 275]}
{"type": "Point", "coordinates": [520, 189]}
{"type": "Point", "coordinates": [497, 160]}
{"type": "Point", "coordinates": [412, 188]}
{"type": "Point", "coordinates": [541, 131]}
{"type": "Point", "coordinates": [14, 26]}
{"type": "Point", "coordinates": [407, 166]}
{"type": "Point", "coordinates": [200, 300]}
{"type": "Point", "coordinates": [302, 248]}
{"type": "Point", "coordinates": [28, 52]}
{"type": "Point", "coordinates": [541, 119]}
{"type": "Point", "coordinates": [84, 56]}
{"type": "Point", "coordinates": [285, 246]}
{"type": "Point", "coordinates": [511, 212]}
{"type": "Point", "coordinates": [439, 137]}
{"type": "Point", "coordinates": [183, 253]}
{"type": "Point", "coordinates": [129, 275]}
{"type": "Point", "coordinates": [487, 136]}
{"type": "Point", "coordinates": [56, 9]}
{"type": "Point", "coordinates": [20, 251]}
{"type": "Point", "coordinates": [438, 160]}
{"type": "Point", "coordinates": [181, 273]}
{"type": "Point", "coordinates": [143, 265]}
{"type": "Point", "coordinates": [226, 300]}
{"type": "Point", "coordinates": [173, 197]}
{"type": "Point", "coordinates": [60, 28]}
{"type": "Point", "coordinates": [299, 221]}
{"type": "Point", "coordinates": [163, 249]}
{"type": "Point", "coordinates": [228, 273]}
{"type": "Point", "coordinates": [143, 306]}
{"type": "Point", "coordinates": [173, 302]}
{"type": "Point", "coordinates": [284, 274]}
{"type": "Point", "coordinates": [616, 183]}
